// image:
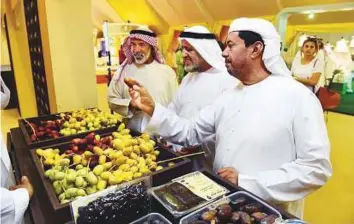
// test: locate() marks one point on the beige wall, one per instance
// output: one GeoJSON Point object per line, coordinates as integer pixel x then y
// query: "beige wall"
{"type": "Point", "coordinates": [69, 30]}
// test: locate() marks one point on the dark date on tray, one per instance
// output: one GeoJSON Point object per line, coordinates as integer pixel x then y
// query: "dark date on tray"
{"type": "Point", "coordinates": [122, 206]}
{"type": "Point", "coordinates": [236, 212]}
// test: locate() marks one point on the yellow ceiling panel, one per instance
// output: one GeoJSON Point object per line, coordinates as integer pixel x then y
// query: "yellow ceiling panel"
{"type": "Point", "coordinates": [230, 9]}
{"type": "Point", "coordinates": [187, 10]}
{"type": "Point", "coordinates": [177, 12]}
{"type": "Point", "coordinates": [292, 3]}
{"type": "Point", "coordinates": [139, 11]}
{"type": "Point", "coordinates": [321, 18]}
{"type": "Point", "coordinates": [167, 13]}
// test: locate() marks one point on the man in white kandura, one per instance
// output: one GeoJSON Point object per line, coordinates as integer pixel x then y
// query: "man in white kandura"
{"type": "Point", "coordinates": [207, 78]}
{"type": "Point", "coordinates": [14, 199]}
{"type": "Point", "coordinates": [271, 138]}
{"type": "Point", "coordinates": [145, 63]}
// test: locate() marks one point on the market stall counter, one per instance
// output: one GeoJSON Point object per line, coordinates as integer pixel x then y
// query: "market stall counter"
{"type": "Point", "coordinates": [41, 208]}
{"type": "Point", "coordinates": [44, 206]}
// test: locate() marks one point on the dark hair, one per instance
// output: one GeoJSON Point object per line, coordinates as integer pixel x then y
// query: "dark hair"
{"type": "Point", "coordinates": [250, 37]}
{"type": "Point", "coordinates": [221, 45]}
{"type": "Point", "coordinates": [320, 44]}
{"type": "Point", "coordinates": [313, 40]}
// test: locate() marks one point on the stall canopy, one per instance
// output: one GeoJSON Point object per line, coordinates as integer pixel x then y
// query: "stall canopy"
{"type": "Point", "coordinates": [163, 14]}
{"type": "Point", "coordinates": [167, 16]}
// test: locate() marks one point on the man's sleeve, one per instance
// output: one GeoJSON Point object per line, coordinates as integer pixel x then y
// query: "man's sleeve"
{"type": "Point", "coordinates": [14, 204]}
{"type": "Point", "coordinates": [118, 99]}
{"type": "Point", "coordinates": [183, 131]}
{"type": "Point", "coordinates": [312, 167]}
{"type": "Point", "coordinates": [173, 84]}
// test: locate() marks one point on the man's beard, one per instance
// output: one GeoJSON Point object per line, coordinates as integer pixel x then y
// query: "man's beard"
{"type": "Point", "coordinates": [191, 68]}
{"type": "Point", "coordinates": [232, 72]}
{"type": "Point", "coordinates": [140, 58]}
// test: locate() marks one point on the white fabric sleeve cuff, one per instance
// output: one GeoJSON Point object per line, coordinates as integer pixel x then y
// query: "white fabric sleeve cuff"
{"type": "Point", "coordinates": [119, 102]}
{"type": "Point", "coordinates": [157, 116]}
{"type": "Point", "coordinates": [250, 183]}
{"type": "Point", "coordinates": [21, 200]}
{"type": "Point", "coordinates": [120, 106]}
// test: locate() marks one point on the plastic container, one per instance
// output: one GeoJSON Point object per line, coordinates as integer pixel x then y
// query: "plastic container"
{"type": "Point", "coordinates": [228, 199]}
{"type": "Point", "coordinates": [128, 209]}
{"type": "Point", "coordinates": [176, 213]}
{"type": "Point", "coordinates": [294, 221]}
{"type": "Point", "coordinates": [152, 218]}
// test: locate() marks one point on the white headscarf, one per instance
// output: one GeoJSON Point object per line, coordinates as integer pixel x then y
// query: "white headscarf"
{"type": "Point", "coordinates": [5, 96]}
{"type": "Point", "coordinates": [209, 49]}
{"type": "Point", "coordinates": [271, 55]}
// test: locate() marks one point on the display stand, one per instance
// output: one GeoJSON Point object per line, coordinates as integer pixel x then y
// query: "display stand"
{"type": "Point", "coordinates": [39, 206]}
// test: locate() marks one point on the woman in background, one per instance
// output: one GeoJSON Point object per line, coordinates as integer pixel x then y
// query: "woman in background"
{"type": "Point", "coordinates": [308, 69]}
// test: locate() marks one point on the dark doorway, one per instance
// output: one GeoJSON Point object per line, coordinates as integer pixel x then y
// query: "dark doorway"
{"type": "Point", "coordinates": [8, 75]}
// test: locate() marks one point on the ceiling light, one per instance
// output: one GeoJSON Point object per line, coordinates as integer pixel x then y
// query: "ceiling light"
{"type": "Point", "coordinates": [311, 16]}
{"type": "Point", "coordinates": [313, 11]}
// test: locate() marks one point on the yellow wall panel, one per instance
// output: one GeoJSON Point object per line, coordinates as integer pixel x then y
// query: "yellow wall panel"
{"type": "Point", "coordinates": [4, 55]}
{"type": "Point", "coordinates": [21, 59]}
{"type": "Point", "coordinates": [42, 14]}
{"type": "Point", "coordinates": [69, 29]}
{"type": "Point", "coordinates": [139, 11]}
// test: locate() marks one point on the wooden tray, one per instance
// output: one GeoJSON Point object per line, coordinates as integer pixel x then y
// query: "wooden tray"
{"type": "Point", "coordinates": [62, 211]}
{"type": "Point", "coordinates": [43, 143]}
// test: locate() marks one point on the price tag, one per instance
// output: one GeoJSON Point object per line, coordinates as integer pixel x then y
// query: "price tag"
{"type": "Point", "coordinates": [201, 185]}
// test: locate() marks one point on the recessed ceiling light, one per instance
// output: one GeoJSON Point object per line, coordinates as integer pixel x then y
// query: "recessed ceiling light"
{"type": "Point", "coordinates": [314, 11]}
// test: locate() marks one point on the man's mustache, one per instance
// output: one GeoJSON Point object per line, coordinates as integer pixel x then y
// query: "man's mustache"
{"type": "Point", "coordinates": [139, 55]}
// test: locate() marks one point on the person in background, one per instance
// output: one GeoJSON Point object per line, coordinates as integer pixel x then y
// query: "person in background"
{"type": "Point", "coordinates": [321, 54]}
{"type": "Point", "coordinates": [271, 138]}
{"type": "Point", "coordinates": [14, 199]}
{"type": "Point", "coordinates": [145, 63]}
{"type": "Point", "coordinates": [344, 62]}
{"type": "Point", "coordinates": [206, 80]}
{"type": "Point", "coordinates": [351, 78]}
{"type": "Point", "coordinates": [308, 69]}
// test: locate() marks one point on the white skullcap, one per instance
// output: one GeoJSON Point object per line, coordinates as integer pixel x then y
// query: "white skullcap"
{"type": "Point", "coordinates": [144, 28]}
{"type": "Point", "coordinates": [206, 45]}
{"type": "Point", "coordinates": [271, 55]}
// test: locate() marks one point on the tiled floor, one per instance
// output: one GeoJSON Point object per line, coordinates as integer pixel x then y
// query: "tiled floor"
{"type": "Point", "coordinates": [333, 204]}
